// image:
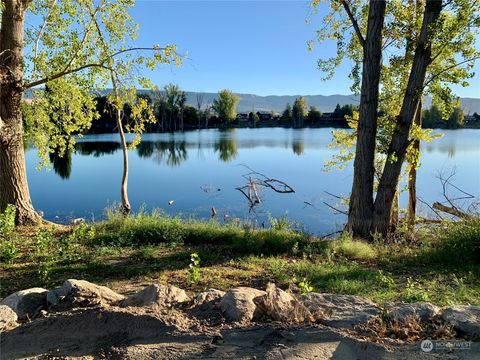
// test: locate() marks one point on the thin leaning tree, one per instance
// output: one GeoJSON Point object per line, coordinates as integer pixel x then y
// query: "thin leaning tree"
{"type": "Point", "coordinates": [72, 47]}
{"type": "Point", "coordinates": [425, 46]}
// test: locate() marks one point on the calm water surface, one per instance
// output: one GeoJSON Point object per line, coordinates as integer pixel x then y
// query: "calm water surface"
{"type": "Point", "coordinates": [201, 169]}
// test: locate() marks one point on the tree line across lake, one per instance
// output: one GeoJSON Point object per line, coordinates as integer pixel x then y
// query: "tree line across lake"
{"type": "Point", "coordinates": [172, 113]}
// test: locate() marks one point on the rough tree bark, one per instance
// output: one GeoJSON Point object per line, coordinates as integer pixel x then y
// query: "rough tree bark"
{"type": "Point", "coordinates": [400, 138]}
{"type": "Point", "coordinates": [13, 174]}
{"type": "Point", "coordinates": [412, 176]}
{"type": "Point", "coordinates": [360, 212]}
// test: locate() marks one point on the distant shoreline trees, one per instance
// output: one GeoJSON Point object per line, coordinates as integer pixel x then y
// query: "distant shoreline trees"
{"type": "Point", "coordinates": [172, 113]}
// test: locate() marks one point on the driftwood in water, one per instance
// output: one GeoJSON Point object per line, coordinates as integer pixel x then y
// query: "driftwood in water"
{"type": "Point", "coordinates": [258, 180]}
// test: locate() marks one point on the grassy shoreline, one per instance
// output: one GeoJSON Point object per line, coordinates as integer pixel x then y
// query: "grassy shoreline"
{"type": "Point", "coordinates": [440, 265]}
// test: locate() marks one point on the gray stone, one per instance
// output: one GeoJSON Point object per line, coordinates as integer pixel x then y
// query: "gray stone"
{"type": "Point", "coordinates": [156, 294]}
{"type": "Point", "coordinates": [340, 311]}
{"type": "Point", "coordinates": [83, 293]}
{"type": "Point", "coordinates": [7, 316]}
{"type": "Point", "coordinates": [58, 294]}
{"type": "Point", "coordinates": [26, 303]}
{"type": "Point", "coordinates": [237, 304]}
{"type": "Point", "coordinates": [464, 319]}
{"type": "Point", "coordinates": [423, 310]}
{"type": "Point", "coordinates": [208, 299]}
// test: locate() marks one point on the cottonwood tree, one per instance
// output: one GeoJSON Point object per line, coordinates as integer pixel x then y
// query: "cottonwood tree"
{"type": "Point", "coordinates": [424, 47]}
{"type": "Point", "coordinates": [72, 47]}
{"type": "Point", "coordinates": [225, 105]}
{"type": "Point", "coordinates": [299, 111]}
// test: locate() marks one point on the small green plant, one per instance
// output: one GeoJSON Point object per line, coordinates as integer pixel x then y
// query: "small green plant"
{"type": "Point", "coordinates": [414, 292]}
{"type": "Point", "coordinates": [8, 250]}
{"type": "Point", "coordinates": [385, 279]}
{"type": "Point", "coordinates": [194, 268]}
{"type": "Point", "coordinates": [44, 252]}
{"type": "Point", "coordinates": [295, 248]}
{"type": "Point", "coordinates": [7, 220]}
{"type": "Point", "coordinates": [305, 287]}
{"type": "Point", "coordinates": [281, 223]}
{"type": "Point", "coordinates": [44, 239]}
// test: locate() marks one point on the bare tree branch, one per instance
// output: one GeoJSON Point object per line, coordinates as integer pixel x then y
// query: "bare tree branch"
{"type": "Point", "coordinates": [101, 64]}
{"type": "Point", "coordinates": [434, 76]}
{"type": "Point", "coordinates": [40, 33]}
{"type": "Point", "coordinates": [431, 208]}
{"type": "Point", "coordinates": [335, 209]}
{"type": "Point", "coordinates": [346, 6]}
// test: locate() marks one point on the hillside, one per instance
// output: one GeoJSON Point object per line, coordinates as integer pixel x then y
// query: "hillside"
{"type": "Point", "coordinates": [325, 103]}
{"type": "Point", "coordinates": [277, 103]}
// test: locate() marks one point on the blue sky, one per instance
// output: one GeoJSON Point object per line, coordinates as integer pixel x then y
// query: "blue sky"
{"type": "Point", "coordinates": [255, 47]}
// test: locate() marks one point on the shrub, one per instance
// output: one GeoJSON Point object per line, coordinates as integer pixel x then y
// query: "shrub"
{"type": "Point", "coordinates": [458, 243]}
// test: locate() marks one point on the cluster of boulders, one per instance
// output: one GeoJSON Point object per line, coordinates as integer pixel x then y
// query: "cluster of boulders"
{"type": "Point", "coordinates": [241, 305]}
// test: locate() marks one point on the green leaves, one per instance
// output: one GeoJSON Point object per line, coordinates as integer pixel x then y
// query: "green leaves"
{"type": "Point", "coordinates": [305, 287]}
{"type": "Point", "coordinates": [226, 105]}
{"type": "Point", "coordinates": [194, 268]}
{"type": "Point", "coordinates": [74, 48]}
{"type": "Point", "coordinates": [7, 221]}
{"type": "Point", "coordinates": [453, 54]}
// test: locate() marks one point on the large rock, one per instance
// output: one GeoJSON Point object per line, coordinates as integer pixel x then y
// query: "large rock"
{"type": "Point", "coordinates": [166, 295]}
{"type": "Point", "coordinates": [208, 300]}
{"type": "Point", "coordinates": [464, 319]}
{"type": "Point", "coordinates": [423, 310]}
{"type": "Point", "coordinates": [8, 317]}
{"type": "Point", "coordinates": [83, 293]}
{"type": "Point", "coordinates": [340, 311]}
{"type": "Point", "coordinates": [27, 303]}
{"type": "Point", "coordinates": [282, 306]}
{"type": "Point", "coordinates": [238, 305]}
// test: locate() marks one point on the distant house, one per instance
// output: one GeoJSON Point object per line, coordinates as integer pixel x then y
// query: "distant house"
{"type": "Point", "coordinates": [471, 120]}
{"type": "Point", "coordinates": [327, 115]}
{"type": "Point", "coordinates": [242, 117]}
{"type": "Point", "coordinates": [265, 115]}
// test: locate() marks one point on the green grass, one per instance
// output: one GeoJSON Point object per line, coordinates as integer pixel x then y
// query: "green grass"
{"type": "Point", "coordinates": [153, 229]}
{"type": "Point", "coordinates": [456, 241]}
{"type": "Point", "coordinates": [129, 252]}
{"type": "Point", "coordinates": [353, 249]}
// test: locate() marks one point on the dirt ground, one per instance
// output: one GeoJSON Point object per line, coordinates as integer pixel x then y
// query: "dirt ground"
{"type": "Point", "coordinates": [114, 333]}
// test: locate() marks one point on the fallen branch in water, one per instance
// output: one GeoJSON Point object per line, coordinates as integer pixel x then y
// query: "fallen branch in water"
{"type": "Point", "coordinates": [335, 209]}
{"type": "Point", "coordinates": [256, 180]}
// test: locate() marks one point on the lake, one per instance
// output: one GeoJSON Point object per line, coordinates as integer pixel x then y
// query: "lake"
{"type": "Point", "coordinates": [200, 170]}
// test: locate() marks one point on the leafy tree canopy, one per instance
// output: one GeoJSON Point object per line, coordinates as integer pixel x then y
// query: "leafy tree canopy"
{"type": "Point", "coordinates": [75, 47]}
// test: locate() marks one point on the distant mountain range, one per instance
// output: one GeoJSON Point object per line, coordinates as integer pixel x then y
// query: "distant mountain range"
{"type": "Point", "coordinates": [324, 103]}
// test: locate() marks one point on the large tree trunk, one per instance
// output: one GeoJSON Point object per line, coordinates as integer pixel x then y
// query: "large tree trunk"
{"type": "Point", "coordinates": [412, 176]}
{"type": "Point", "coordinates": [400, 138]}
{"type": "Point", "coordinates": [360, 212]}
{"type": "Point", "coordinates": [13, 175]}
